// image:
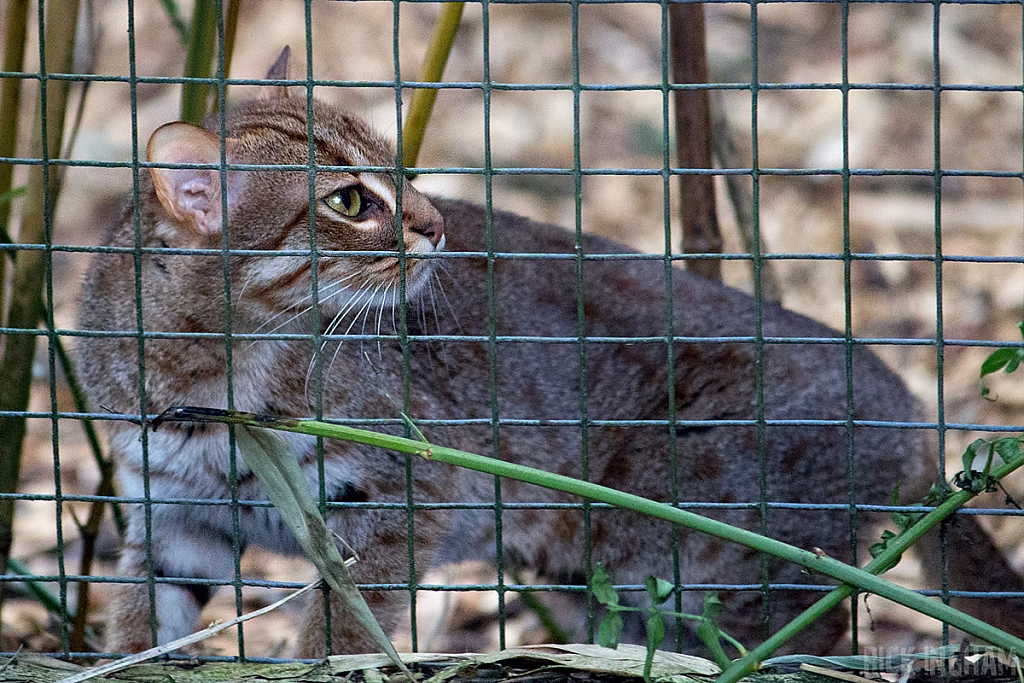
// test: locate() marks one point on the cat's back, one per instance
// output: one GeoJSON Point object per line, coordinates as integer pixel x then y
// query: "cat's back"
{"type": "Point", "coordinates": [734, 358]}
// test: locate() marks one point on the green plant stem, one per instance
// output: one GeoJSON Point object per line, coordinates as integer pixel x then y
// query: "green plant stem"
{"type": "Point", "coordinates": [10, 102]}
{"type": "Point", "coordinates": [422, 104]}
{"type": "Point", "coordinates": [547, 619]}
{"type": "Point", "coordinates": [90, 531]}
{"type": "Point", "coordinates": [885, 560]}
{"type": "Point", "coordinates": [819, 563]}
{"type": "Point", "coordinates": [45, 597]}
{"type": "Point", "coordinates": [104, 464]}
{"type": "Point", "coordinates": [30, 266]}
{"type": "Point", "coordinates": [202, 37]}
{"type": "Point", "coordinates": [174, 15]}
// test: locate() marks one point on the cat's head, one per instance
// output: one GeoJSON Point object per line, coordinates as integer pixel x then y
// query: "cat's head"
{"type": "Point", "coordinates": [270, 208]}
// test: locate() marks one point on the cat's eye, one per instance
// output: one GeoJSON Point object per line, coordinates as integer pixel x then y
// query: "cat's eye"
{"type": "Point", "coordinates": [346, 201]}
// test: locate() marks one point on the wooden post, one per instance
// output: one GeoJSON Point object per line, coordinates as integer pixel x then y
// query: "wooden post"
{"type": "Point", "coordinates": [693, 138]}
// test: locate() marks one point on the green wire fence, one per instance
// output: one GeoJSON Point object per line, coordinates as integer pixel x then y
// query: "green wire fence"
{"type": "Point", "coordinates": [764, 60]}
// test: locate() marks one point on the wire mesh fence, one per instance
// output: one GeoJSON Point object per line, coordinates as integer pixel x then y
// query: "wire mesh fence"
{"type": "Point", "coordinates": [880, 144]}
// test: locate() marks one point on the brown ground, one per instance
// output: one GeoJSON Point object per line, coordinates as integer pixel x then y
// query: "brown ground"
{"type": "Point", "coordinates": [620, 44]}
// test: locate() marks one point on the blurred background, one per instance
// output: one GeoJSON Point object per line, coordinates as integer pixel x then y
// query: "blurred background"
{"type": "Point", "coordinates": [968, 129]}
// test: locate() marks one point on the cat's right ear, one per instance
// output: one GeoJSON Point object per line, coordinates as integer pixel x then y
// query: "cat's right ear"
{"type": "Point", "coordinates": [279, 71]}
{"type": "Point", "coordinates": [192, 196]}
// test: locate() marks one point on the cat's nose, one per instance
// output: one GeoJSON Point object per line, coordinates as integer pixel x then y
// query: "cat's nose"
{"type": "Point", "coordinates": [425, 221]}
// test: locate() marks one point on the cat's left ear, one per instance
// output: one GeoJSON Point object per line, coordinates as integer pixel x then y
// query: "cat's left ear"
{"type": "Point", "coordinates": [279, 71]}
{"type": "Point", "coordinates": [191, 196]}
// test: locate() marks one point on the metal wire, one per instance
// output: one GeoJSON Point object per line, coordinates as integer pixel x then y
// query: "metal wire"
{"type": "Point", "coordinates": [849, 510]}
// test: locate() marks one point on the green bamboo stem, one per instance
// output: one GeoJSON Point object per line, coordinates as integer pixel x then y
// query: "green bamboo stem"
{"type": "Point", "coordinates": [230, 33]}
{"type": "Point", "coordinates": [91, 529]}
{"type": "Point", "coordinates": [202, 37]}
{"type": "Point", "coordinates": [30, 265]}
{"type": "Point", "coordinates": [106, 468]}
{"type": "Point", "coordinates": [10, 103]}
{"type": "Point", "coordinates": [819, 563]}
{"type": "Point", "coordinates": [422, 103]}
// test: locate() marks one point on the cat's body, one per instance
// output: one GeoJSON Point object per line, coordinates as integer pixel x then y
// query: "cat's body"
{"type": "Point", "coordinates": [537, 386]}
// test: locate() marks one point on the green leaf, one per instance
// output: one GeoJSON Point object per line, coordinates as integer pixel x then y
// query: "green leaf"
{"type": "Point", "coordinates": [659, 589]}
{"type": "Point", "coordinates": [972, 453]}
{"type": "Point", "coordinates": [902, 520]}
{"type": "Point", "coordinates": [610, 630]}
{"type": "Point", "coordinates": [1009, 449]}
{"type": "Point", "coordinates": [877, 549]}
{"type": "Point", "coordinates": [997, 360]}
{"type": "Point", "coordinates": [601, 587]}
{"type": "Point", "coordinates": [712, 606]}
{"type": "Point", "coordinates": [655, 634]}
{"type": "Point", "coordinates": [708, 631]}
{"type": "Point", "coordinates": [273, 461]}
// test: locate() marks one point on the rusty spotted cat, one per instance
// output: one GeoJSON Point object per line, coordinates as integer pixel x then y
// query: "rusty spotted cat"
{"type": "Point", "coordinates": [717, 376]}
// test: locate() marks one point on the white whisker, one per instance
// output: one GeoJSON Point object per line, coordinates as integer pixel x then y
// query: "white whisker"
{"type": "Point", "coordinates": [322, 295]}
{"type": "Point", "coordinates": [245, 284]}
{"type": "Point", "coordinates": [365, 307]}
{"type": "Point", "coordinates": [447, 301]}
{"type": "Point", "coordinates": [330, 329]}
{"type": "Point", "coordinates": [323, 299]}
{"type": "Point", "coordinates": [394, 305]}
{"type": "Point", "coordinates": [380, 315]}
{"type": "Point", "coordinates": [433, 305]}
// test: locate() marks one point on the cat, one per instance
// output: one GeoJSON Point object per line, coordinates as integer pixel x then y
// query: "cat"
{"type": "Point", "coordinates": [533, 383]}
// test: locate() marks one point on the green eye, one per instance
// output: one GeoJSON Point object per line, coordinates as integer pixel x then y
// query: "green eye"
{"type": "Point", "coordinates": [347, 202]}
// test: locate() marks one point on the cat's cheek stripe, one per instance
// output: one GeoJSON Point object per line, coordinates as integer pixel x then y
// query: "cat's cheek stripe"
{"type": "Point", "coordinates": [382, 191]}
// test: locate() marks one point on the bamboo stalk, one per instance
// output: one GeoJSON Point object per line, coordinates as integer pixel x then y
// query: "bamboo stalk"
{"type": "Point", "coordinates": [202, 37]}
{"type": "Point", "coordinates": [10, 103]}
{"type": "Point", "coordinates": [422, 104]}
{"type": "Point", "coordinates": [230, 34]}
{"type": "Point", "coordinates": [105, 466]}
{"type": "Point", "coordinates": [90, 530]}
{"type": "Point", "coordinates": [29, 266]}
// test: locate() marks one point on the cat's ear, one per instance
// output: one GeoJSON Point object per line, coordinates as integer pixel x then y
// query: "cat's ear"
{"type": "Point", "coordinates": [279, 71]}
{"type": "Point", "coordinates": [191, 196]}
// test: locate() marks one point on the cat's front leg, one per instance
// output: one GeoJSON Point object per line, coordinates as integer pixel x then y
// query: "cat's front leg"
{"type": "Point", "coordinates": [179, 549]}
{"type": "Point", "coordinates": [383, 558]}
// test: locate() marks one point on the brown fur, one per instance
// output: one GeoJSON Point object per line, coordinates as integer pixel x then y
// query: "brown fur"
{"type": "Point", "coordinates": [536, 383]}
